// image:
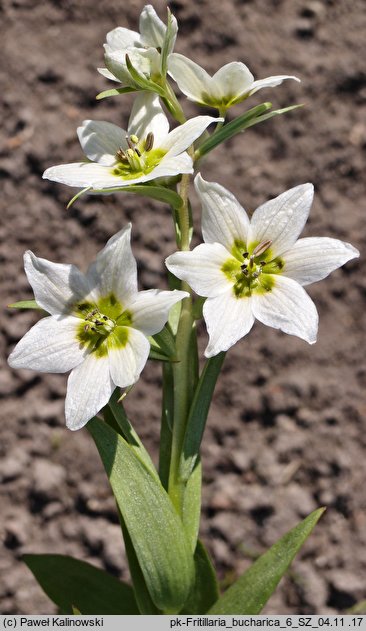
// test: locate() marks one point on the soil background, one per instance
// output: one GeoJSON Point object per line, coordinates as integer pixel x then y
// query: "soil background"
{"type": "Point", "coordinates": [287, 430]}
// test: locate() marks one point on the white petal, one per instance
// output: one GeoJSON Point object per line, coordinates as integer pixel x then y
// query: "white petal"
{"type": "Point", "coordinates": [232, 80]}
{"type": "Point", "coordinates": [192, 80]}
{"type": "Point", "coordinates": [312, 259]}
{"type": "Point", "coordinates": [201, 268]}
{"type": "Point", "coordinates": [152, 28]}
{"type": "Point", "coordinates": [147, 116]}
{"type": "Point", "coordinates": [83, 175]}
{"type": "Point", "coordinates": [56, 287]}
{"type": "Point", "coordinates": [180, 138]}
{"type": "Point", "coordinates": [169, 166]}
{"type": "Point", "coordinates": [89, 389]}
{"type": "Point", "coordinates": [100, 141]}
{"type": "Point", "coordinates": [150, 309]}
{"type": "Point", "coordinates": [224, 220]}
{"type": "Point", "coordinates": [50, 346]}
{"type": "Point", "coordinates": [270, 82]}
{"type": "Point", "coordinates": [287, 307]}
{"type": "Point", "coordinates": [228, 319]}
{"type": "Point", "coordinates": [121, 38]}
{"type": "Point", "coordinates": [127, 363]}
{"type": "Point", "coordinates": [115, 269]}
{"type": "Point", "coordinates": [282, 219]}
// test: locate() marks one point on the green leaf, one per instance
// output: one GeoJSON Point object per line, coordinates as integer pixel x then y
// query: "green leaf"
{"type": "Point", "coordinates": [156, 531]}
{"type": "Point", "coordinates": [129, 434]}
{"type": "Point", "coordinates": [166, 342]}
{"type": "Point", "coordinates": [167, 418]}
{"type": "Point", "coordinates": [269, 115]}
{"type": "Point", "coordinates": [167, 44]}
{"type": "Point", "coordinates": [143, 598]}
{"type": "Point", "coordinates": [114, 92]}
{"type": "Point", "coordinates": [250, 592]}
{"type": "Point", "coordinates": [78, 194]}
{"type": "Point", "coordinates": [25, 304]}
{"type": "Point", "coordinates": [191, 511]}
{"type": "Point", "coordinates": [72, 584]}
{"type": "Point", "coordinates": [206, 589]}
{"type": "Point", "coordinates": [142, 81]}
{"type": "Point", "coordinates": [231, 129]}
{"type": "Point", "coordinates": [198, 414]}
{"type": "Point", "coordinates": [160, 193]}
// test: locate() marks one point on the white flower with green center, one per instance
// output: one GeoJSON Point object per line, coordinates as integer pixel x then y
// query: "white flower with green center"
{"type": "Point", "coordinates": [256, 269]}
{"type": "Point", "coordinates": [142, 48]}
{"type": "Point", "coordinates": [146, 151]}
{"type": "Point", "coordinates": [97, 328]}
{"type": "Point", "coordinates": [230, 85]}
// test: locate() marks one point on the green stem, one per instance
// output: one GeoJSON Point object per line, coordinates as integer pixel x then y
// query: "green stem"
{"type": "Point", "coordinates": [182, 382]}
{"type": "Point", "coordinates": [182, 369]}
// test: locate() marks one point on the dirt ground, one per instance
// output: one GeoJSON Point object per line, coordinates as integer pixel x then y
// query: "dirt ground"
{"type": "Point", "coordinates": [287, 429]}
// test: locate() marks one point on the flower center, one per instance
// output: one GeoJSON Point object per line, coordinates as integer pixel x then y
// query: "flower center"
{"type": "Point", "coordinates": [97, 322]}
{"type": "Point", "coordinates": [140, 157]}
{"type": "Point", "coordinates": [252, 271]}
{"type": "Point", "coordinates": [102, 324]}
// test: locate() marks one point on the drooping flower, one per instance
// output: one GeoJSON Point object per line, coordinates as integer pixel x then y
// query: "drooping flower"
{"type": "Point", "coordinates": [230, 85]}
{"type": "Point", "coordinates": [146, 151]}
{"type": "Point", "coordinates": [97, 327]}
{"type": "Point", "coordinates": [143, 48]}
{"type": "Point", "coordinates": [256, 269]}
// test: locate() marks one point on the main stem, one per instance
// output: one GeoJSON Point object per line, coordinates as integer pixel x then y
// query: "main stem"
{"type": "Point", "coordinates": [181, 368]}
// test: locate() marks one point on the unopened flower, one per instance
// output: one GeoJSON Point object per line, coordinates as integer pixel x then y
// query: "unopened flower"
{"type": "Point", "coordinates": [98, 325]}
{"type": "Point", "coordinates": [146, 151]}
{"type": "Point", "coordinates": [256, 269]}
{"type": "Point", "coordinates": [230, 85]}
{"type": "Point", "coordinates": [142, 48]}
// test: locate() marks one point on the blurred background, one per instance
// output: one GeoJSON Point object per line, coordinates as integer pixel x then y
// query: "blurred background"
{"type": "Point", "coordinates": [287, 429]}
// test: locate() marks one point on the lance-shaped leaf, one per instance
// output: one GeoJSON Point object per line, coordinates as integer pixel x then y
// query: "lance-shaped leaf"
{"type": "Point", "coordinates": [114, 92]}
{"type": "Point", "coordinates": [159, 193]}
{"type": "Point", "coordinates": [127, 431]}
{"type": "Point", "coordinates": [256, 115]}
{"type": "Point", "coordinates": [250, 592]}
{"type": "Point", "coordinates": [25, 304]}
{"type": "Point", "coordinates": [198, 414]}
{"type": "Point", "coordinates": [206, 588]}
{"type": "Point", "coordinates": [157, 533]}
{"type": "Point", "coordinates": [73, 584]}
{"type": "Point", "coordinates": [231, 129]}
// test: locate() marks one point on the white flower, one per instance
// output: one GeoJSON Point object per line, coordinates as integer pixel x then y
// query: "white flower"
{"type": "Point", "coordinates": [146, 151]}
{"type": "Point", "coordinates": [143, 48]}
{"type": "Point", "coordinates": [256, 268]}
{"type": "Point", "coordinates": [97, 327]}
{"type": "Point", "coordinates": [231, 84]}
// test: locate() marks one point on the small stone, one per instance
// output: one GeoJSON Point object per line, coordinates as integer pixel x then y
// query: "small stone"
{"type": "Point", "coordinates": [15, 534]}
{"type": "Point", "coordinates": [48, 479]}
{"type": "Point", "coordinates": [347, 582]}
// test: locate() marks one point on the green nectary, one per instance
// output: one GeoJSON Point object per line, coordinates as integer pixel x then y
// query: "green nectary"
{"type": "Point", "coordinates": [251, 273]}
{"type": "Point", "coordinates": [103, 325]}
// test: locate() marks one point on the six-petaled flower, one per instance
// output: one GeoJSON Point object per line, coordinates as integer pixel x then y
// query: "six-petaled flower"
{"type": "Point", "coordinates": [97, 327]}
{"type": "Point", "coordinates": [256, 269]}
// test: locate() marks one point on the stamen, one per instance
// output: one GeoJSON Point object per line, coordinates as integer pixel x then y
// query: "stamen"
{"type": "Point", "coordinates": [134, 139]}
{"type": "Point", "coordinates": [261, 247]}
{"type": "Point", "coordinates": [149, 142]}
{"type": "Point", "coordinates": [245, 254]}
{"type": "Point", "coordinates": [120, 155]}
